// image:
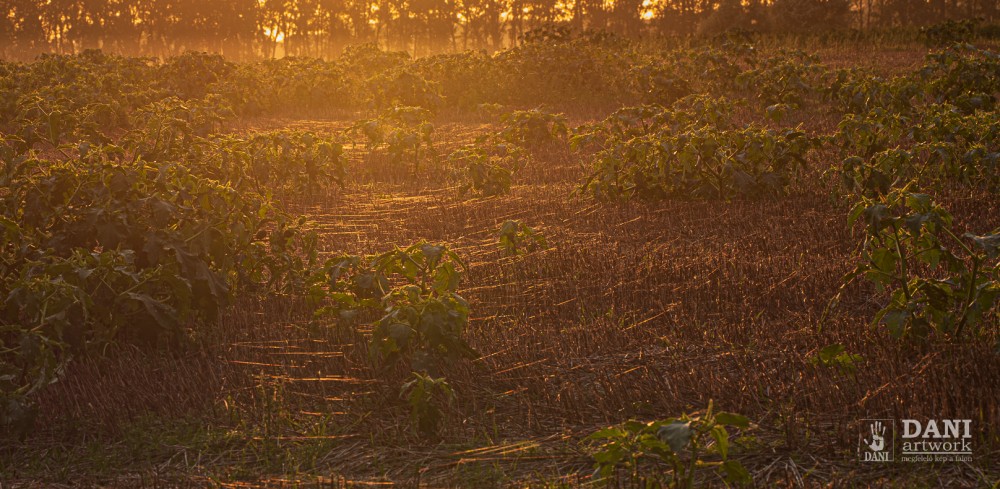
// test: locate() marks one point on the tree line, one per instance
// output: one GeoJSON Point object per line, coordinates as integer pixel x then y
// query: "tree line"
{"type": "Point", "coordinates": [243, 29]}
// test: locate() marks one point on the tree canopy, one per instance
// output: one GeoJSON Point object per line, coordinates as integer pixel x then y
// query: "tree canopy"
{"type": "Point", "coordinates": [267, 28]}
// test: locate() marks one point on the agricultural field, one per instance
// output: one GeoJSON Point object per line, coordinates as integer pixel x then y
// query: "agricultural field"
{"type": "Point", "coordinates": [581, 261]}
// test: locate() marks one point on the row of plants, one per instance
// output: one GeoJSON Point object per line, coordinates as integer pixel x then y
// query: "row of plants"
{"type": "Point", "coordinates": [938, 126]}
{"type": "Point", "coordinates": [934, 281]}
{"type": "Point", "coordinates": [129, 217]}
{"type": "Point", "coordinates": [145, 241]}
{"type": "Point", "coordinates": [934, 144]}
{"type": "Point", "coordinates": [103, 248]}
{"type": "Point", "coordinates": [689, 151]}
{"type": "Point", "coordinates": [93, 97]}
{"type": "Point", "coordinates": [88, 94]}
{"type": "Point", "coordinates": [901, 139]}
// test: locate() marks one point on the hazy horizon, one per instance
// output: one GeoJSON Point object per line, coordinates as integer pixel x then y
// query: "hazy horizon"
{"type": "Point", "coordinates": [254, 29]}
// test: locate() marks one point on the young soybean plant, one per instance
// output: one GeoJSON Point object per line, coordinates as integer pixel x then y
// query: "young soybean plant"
{"type": "Point", "coordinates": [405, 133]}
{"type": "Point", "coordinates": [640, 447]}
{"type": "Point", "coordinates": [424, 319]}
{"type": "Point", "coordinates": [533, 128]}
{"type": "Point", "coordinates": [836, 356]}
{"type": "Point", "coordinates": [488, 166]}
{"type": "Point", "coordinates": [424, 394]}
{"type": "Point", "coordinates": [516, 238]}
{"type": "Point", "coordinates": [932, 287]}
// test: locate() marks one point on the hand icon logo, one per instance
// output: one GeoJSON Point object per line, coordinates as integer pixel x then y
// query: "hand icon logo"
{"type": "Point", "coordinates": [877, 443]}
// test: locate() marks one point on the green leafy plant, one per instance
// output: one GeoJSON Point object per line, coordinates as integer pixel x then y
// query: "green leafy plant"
{"type": "Point", "coordinates": [349, 287]}
{"type": "Point", "coordinates": [405, 133]}
{"type": "Point", "coordinates": [930, 144]}
{"type": "Point", "coordinates": [565, 70]}
{"type": "Point", "coordinates": [949, 32]}
{"type": "Point", "coordinates": [168, 129]}
{"type": "Point", "coordinates": [425, 395]}
{"type": "Point", "coordinates": [532, 128]}
{"type": "Point", "coordinates": [937, 281]}
{"type": "Point", "coordinates": [836, 356]}
{"type": "Point", "coordinates": [964, 76]}
{"type": "Point", "coordinates": [517, 238]}
{"type": "Point", "coordinates": [638, 121]}
{"type": "Point", "coordinates": [859, 92]}
{"type": "Point", "coordinates": [489, 166]}
{"type": "Point", "coordinates": [658, 82]}
{"type": "Point", "coordinates": [464, 80]}
{"type": "Point", "coordinates": [402, 86]}
{"type": "Point", "coordinates": [787, 78]}
{"type": "Point", "coordinates": [711, 69]}
{"type": "Point", "coordinates": [701, 162]}
{"type": "Point", "coordinates": [104, 248]}
{"type": "Point", "coordinates": [682, 445]}
{"type": "Point", "coordinates": [777, 112]}
{"type": "Point", "coordinates": [423, 319]}
{"type": "Point", "coordinates": [190, 75]}
{"type": "Point", "coordinates": [278, 161]}
{"type": "Point", "coordinates": [66, 99]}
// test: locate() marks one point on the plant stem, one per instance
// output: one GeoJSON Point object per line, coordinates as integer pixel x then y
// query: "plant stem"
{"type": "Point", "coordinates": [968, 298]}
{"type": "Point", "coordinates": [904, 274]}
